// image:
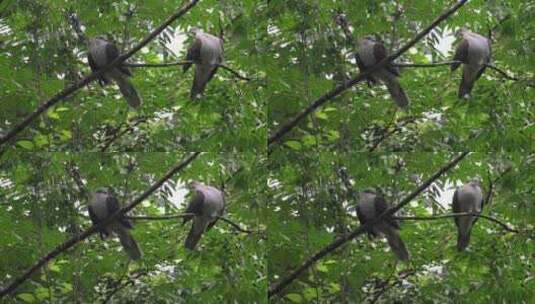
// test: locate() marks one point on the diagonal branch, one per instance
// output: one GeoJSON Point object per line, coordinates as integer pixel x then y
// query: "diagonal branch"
{"type": "Point", "coordinates": [82, 83]}
{"type": "Point", "coordinates": [82, 236]}
{"type": "Point", "coordinates": [276, 288]}
{"type": "Point", "coordinates": [292, 123]}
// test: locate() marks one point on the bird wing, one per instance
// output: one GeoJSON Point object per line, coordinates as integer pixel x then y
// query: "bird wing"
{"type": "Point", "coordinates": [94, 68]}
{"type": "Point", "coordinates": [111, 54]}
{"type": "Point", "coordinates": [482, 205]}
{"type": "Point", "coordinates": [455, 205]}
{"type": "Point", "coordinates": [362, 68]}
{"type": "Point", "coordinates": [379, 52]}
{"type": "Point", "coordinates": [381, 206]}
{"type": "Point", "coordinates": [95, 220]}
{"type": "Point", "coordinates": [195, 205]}
{"type": "Point", "coordinates": [113, 206]}
{"type": "Point", "coordinates": [461, 54]}
{"type": "Point", "coordinates": [194, 54]}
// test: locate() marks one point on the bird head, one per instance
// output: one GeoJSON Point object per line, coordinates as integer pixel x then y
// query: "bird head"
{"type": "Point", "coordinates": [194, 31]}
{"type": "Point", "coordinates": [476, 181]}
{"type": "Point", "coordinates": [369, 190]}
{"type": "Point", "coordinates": [460, 32]}
{"type": "Point", "coordinates": [104, 190]}
{"type": "Point", "coordinates": [194, 184]}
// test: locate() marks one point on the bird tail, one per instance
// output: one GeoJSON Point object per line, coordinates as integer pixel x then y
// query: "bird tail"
{"type": "Point", "coordinates": [129, 92]}
{"type": "Point", "coordinates": [465, 228]}
{"type": "Point", "coordinates": [197, 229]}
{"type": "Point", "coordinates": [396, 91]}
{"type": "Point", "coordinates": [129, 243]}
{"type": "Point", "coordinates": [203, 74]}
{"type": "Point", "coordinates": [395, 242]}
{"type": "Point", "coordinates": [465, 88]}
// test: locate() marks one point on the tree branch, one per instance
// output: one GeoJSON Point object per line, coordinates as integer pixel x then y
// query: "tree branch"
{"type": "Point", "coordinates": [425, 65]}
{"type": "Point", "coordinates": [118, 134]}
{"type": "Point", "coordinates": [238, 75]}
{"type": "Point", "coordinates": [157, 65]}
{"type": "Point", "coordinates": [175, 216]}
{"type": "Point", "coordinates": [442, 216]}
{"type": "Point", "coordinates": [169, 64]}
{"type": "Point", "coordinates": [278, 287]}
{"type": "Point", "coordinates": [236, 226]}
{"type": "Point", "coordinates": [82, 83]}
{"type": "Point", "coordinates": [292, 123]}
{"type": "Point", "coordinates": [159, 217]}
{"type": "Point", "coordinates": [386, 135]}
{"type": "Point", "coordinates": [529, 82]}
{"type": "Point", "coordinates": [82, 236]}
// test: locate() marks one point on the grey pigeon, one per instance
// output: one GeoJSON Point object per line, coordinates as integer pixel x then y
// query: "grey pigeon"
{"type": "Point", "coordinates": [468, 198]}
{"type": "Point", "coordinates": [474, 52]}
{"type": "Point", "coordinates": [207, 54]}
{"type": "Point", "coordinates": [207, 203]}
{"type": "Point", "coordinates": [102, 204]}
{"type": "Point", "coordinates": [370, 205]}
{"type": "Point", "coordinates": [101, 53]}
{"type": "Point", "coordinates": [370, 53]}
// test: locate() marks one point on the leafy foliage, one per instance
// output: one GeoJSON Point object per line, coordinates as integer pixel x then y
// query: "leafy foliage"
{"type": "Point", "coordinates": [313, 56]}
{"type": "Point", "coordinates": [44, 50]}
{"type": "Point", "coordinates": [43, 206]}
{"type": "Point", "coordinates": [313, 205]}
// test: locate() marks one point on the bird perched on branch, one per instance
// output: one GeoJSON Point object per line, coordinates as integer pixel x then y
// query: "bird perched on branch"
{"type": "Point", "coordinates": [208, 204]}
{"type": "Point", "coordinates": [370, 53]}
{"type": "Point", "coordinates": [101, 53]}
{"type": "Point", "coordinates": [474, 52]}
{"type": "Point", "coordinates": [102, 204]}
{"type": "Point", "coordinates": [207, 54]}
{"type": "Point", "coordinates": [372, 204]}
{"type": "Point", "coordinates": [467, 199]}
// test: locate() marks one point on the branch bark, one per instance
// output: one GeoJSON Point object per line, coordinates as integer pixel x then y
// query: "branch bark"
{"type": "Point", "coordinates": [292, 123]}
{"type": "Point", "coordinates": [169, 64]}
{"type": "Point", "coordinates": [442, 216]}
{"type": "Point", "coordinates": [82, 83]}
{"type": "Point", "coordinates": [175, 216]}
{"type": "Point", "coordinates": [529, 82]}
{"type": "Point", "coordinates": [278, 287]}
{"type": "Point", "coordinates": [82, 236]}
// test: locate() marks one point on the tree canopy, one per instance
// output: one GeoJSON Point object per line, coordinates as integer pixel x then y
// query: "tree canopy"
{"type": "Point", "coordinates": [292, 128]}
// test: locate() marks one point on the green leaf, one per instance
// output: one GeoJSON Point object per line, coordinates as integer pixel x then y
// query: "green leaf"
{"type": "Point", "coordinates": [27, 297]}
{"type": "Point", "coordinates": [295, 145]}
{"type": "Point", "coordinates": [294, 297]}
{"type": "Point", "coordinates": [26, 144]}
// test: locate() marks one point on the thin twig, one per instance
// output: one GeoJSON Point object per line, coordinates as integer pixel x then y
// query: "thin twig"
{"type": "Point", "coordinates": [276, 288]}
{"type": "Point", "coordinates": [85, 234]}
{"type": "Point", "coordinates": [238, 75]}
{"type": "Point", "coordinates": [184, 62]}
{"type": "Point", "coordinates": [119, 134]}
{"type": "Point", "coordinates": [119, 287]}
{"type": "Point", "coordinates": [292, 123]}
{"type": "Point", "coordinates": [159, 217]}
{"type": "Point", "coordinates": [157, 65]}
{"type": "Point", "coordinates": [442, 216]}
{"type": "Point", "coordinates": [182, 215]}
{"type": "Point", "coordinates": [391, 132]}
{"type": "Point", "coordinates": [85, 81]}
{"type": "Point", "coordinates": [529, 82]}
{"type": "Point", "coordinates": [238, 227]}
{"type": "Point", "coordinates": [425, 65]}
